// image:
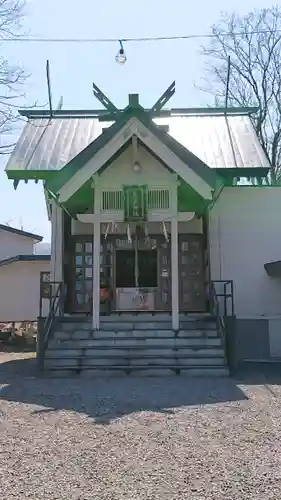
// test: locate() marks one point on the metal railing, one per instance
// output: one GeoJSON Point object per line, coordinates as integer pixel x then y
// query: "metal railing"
{"type": "Point", "coordinates": [223, 289]}
{"type": "Point", "coordinates": [55, 308]}
{"type": "Point", "coordinates": [53, 293]}
{"type": "Point", "coordinates": [221, 294]}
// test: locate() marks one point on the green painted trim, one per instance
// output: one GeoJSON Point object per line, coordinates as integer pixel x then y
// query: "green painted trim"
{"type": "Point", "coordinates": [209, 111]}
{"type": "Point", "coordinates": [189, 200]}
{"type": "Point", "coordinates": [255, 186]}
{"type": "Point", "coordinates": [63, 113]}
{"type": "Point", "coordinates": [231, 176]}
{"type": "Point", "coordinates": [243, 172]}
{"type": "Point", "coordinates": [103, 113]}
{"type": "Point", "coordinates": [139, 192]}
{"type": "Point", "coordinates": [27, 175]}
{"type": "Point", "coordinates": [81, 200]}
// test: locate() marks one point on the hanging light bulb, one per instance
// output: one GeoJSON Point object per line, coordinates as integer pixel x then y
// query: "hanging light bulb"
{"type": "Point", "coordinates": [137, 167]}
{"type": "Point", "coordinates": [121, 56]}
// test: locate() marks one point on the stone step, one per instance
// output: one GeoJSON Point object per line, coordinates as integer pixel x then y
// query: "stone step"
{"type": "Point", "coordinates": [146, 361]}
{"type": "Point", "coordinates": [138, 317]}
{"type": "Point", "coordinates": [89, 334]}
{"type": "Point", "coordinates": [135, 325]}
{"type": "Point", "coordinates": [157, 316]}
{"type": "Point", "coordinates": [134, 352]}
{"type": "Point", "coordinates": [83, 363]}
{"type": "Point", "coordinates": [110, 372]}
{"type": "Point", "coordinates": [144, 342]}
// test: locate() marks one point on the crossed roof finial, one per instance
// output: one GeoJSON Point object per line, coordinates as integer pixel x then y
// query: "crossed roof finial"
{"type": "Point", "coordinates": [133, 101]}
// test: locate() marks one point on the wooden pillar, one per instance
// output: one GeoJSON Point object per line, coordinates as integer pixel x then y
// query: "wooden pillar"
{"type": "Point", "coordinates": [57, 243]}
{"type": "Point", "coordinates": [56, 249]}
{"type": "Point", "coordinates": [96, 276]}
{"type": "Point", "coordinates": [175, 254]}
{"type": "Point", "coordinates": [96, 257]}
{"type": "Point", "coordinates": [175, 273]}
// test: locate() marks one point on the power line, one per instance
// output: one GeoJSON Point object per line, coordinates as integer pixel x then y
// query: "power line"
{"type": "Point", "coordinates": [137, 40]}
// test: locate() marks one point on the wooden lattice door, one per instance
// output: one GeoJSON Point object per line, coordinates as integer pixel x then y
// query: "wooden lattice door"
{"type": "Point", "coordinates": [163, 296]}
{"type": "Point", "coordinates": [107, 270]}
{"type": "Point", "coordinates": [83, 275]}
{"type": "Point", "coordinates": [191, 273]}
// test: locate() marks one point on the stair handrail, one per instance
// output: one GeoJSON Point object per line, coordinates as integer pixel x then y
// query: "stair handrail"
{"type": "Point", "coordinates": [216, 308]}
{"type": "Point", "coordinates": [216, 311]}
{"type": "Point", "coordinates": [56, 306]}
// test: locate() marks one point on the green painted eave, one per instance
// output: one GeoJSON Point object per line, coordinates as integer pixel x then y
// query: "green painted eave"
{"type": "Point", "coordinates": [189, 200]}
{"type": "Point", "coordinates": [26, 175]}
{"type": "Point", "coordinates": [81, 201]}
{"type": "Point", "coordinates": [228, 174]}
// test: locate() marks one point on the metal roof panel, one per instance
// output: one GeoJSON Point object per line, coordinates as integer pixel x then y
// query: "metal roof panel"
{"type": "Point", "coordinates": [51, 144]}
{"type": "Point", "coordinates": [219, 141]}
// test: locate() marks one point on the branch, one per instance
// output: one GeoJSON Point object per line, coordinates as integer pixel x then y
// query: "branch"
{"type": "Point", "coordinates": [255, 71]}
{"type": "Point", "coordinates": [12, 76]}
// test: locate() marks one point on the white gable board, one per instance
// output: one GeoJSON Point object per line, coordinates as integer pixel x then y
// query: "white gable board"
{"type": "Point", "coordinates": [134, 127]}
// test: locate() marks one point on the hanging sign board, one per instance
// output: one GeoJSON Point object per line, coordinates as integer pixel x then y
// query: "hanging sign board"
{"type": "Point", "coordinates": [135, 203]}
{"type": "Point", "coordinates": [45, 285]}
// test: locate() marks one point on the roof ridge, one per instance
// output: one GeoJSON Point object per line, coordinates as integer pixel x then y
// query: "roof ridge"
{"type": "Point", "coordinates": [20, 232]}
{"type": "Point", "coordinates": [25, 258]}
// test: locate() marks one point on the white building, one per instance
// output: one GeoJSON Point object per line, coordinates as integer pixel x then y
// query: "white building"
{"type": "Point", "coordinates": [149, 208]}
{"type": "Point", "coordinates": [20, 271]}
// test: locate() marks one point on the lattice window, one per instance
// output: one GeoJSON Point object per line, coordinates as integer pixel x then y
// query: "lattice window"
{"type": "Point", "coordinates": [158, 199]}
{"type": "Point", "coordinates": [112, 200]}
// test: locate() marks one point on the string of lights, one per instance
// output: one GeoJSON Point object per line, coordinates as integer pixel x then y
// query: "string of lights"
{"type": "Point", "coordinates": [134, 40]}
{"type": "Point", "coordinates": [121, 57]}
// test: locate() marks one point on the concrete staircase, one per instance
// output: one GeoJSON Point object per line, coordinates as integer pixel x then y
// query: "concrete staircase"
{"type": "Point", "coordinates": [136, 345]}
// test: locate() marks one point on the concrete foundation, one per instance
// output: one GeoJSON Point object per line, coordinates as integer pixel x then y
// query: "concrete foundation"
{"type": "Point", "coordinates": [252, 341]}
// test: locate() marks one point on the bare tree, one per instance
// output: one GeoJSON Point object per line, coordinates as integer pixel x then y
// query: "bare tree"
{"type": "Point", "coordinates": [253, 43]}
{"type": "Point", "coordinates": [12, 76]}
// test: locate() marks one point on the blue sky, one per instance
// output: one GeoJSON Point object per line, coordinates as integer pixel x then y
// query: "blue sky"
{"type": "Point", "coordinates": [150, 68]}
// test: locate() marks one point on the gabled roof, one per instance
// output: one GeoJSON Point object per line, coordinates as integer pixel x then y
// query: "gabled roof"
{"type": "Point", "coordinates": [25, 258]}
{"type": "Point", "coordinates": [140, 116]}
{"type": "Point", "coordinates": [20, 232]}
{"type": "Point", "coordinates": [220, 140]}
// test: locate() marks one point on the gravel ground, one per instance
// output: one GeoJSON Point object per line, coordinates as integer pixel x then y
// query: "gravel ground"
{"type": "Point", "coordinates": [128, 438]}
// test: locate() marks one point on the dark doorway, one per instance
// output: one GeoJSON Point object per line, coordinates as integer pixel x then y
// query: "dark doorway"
{"type": "Point", "coordinates": [125, 268]}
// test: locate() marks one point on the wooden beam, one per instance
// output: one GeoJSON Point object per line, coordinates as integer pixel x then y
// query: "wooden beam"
{"type": "Point", "coordinates": [163, 99]}
{"type": "Point", "coordinates": [103, 99]}
{"type": "Point", "coordinates": [49, 88]}
{"type": "Point", "coordinates": [118, 217]}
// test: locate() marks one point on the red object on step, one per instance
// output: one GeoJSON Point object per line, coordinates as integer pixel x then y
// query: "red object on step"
{"type": "Point", "coordinates": [104, 294]}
